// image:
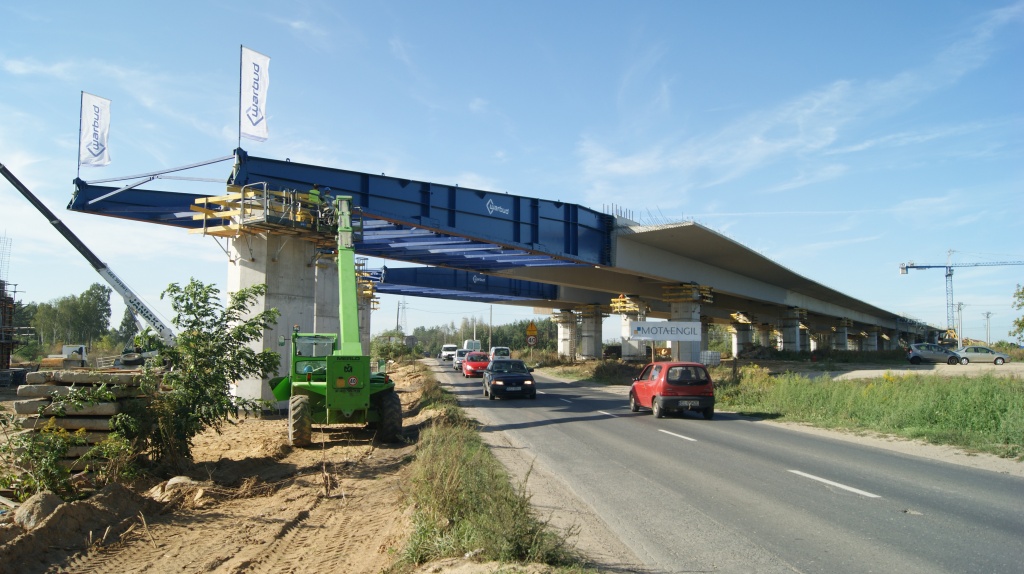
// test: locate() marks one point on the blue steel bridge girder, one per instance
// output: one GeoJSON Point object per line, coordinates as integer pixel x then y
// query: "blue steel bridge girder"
{"type": "Point", "coordinates": [540, 231]}
{"type": "Point", "coordinates": [406, 220]}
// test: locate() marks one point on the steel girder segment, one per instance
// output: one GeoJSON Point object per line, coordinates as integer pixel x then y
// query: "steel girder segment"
{"type": "Point", "coordinates": [461, 285]}
{"type": "Point", "coordinates": [503, 230]}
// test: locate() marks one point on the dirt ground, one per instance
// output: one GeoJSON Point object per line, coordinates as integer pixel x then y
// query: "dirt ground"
{"type": "Point", "coordinates": [254, 504]}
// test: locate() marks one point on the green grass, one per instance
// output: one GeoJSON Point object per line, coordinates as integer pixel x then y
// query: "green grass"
{"type": "Point", "coordinates": [465, 501]}
{"type": "Point", "coordinates": [983, 413]}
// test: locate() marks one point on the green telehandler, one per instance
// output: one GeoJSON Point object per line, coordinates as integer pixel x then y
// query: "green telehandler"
{"type": "Point", "coordinates": [329, 380]}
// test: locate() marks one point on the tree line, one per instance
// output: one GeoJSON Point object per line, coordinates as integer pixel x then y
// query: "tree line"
{"type": "Point", "coordinates": [72, 319]}
{"type": "Point", "coordinates": [85, 319]}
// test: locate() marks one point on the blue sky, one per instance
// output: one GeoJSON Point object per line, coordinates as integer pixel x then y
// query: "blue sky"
{"type": "Point", "coordinates": [837, 139]}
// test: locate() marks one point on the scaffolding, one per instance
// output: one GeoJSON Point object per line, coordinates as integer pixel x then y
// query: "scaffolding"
{"type": "Point", "coordinates": [7, 332]}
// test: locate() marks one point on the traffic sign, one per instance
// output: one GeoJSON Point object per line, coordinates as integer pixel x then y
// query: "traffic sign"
{"type": "Point", "coordinates": [531, 340]}
{"type": "Point", "coordinates": [531, 330]}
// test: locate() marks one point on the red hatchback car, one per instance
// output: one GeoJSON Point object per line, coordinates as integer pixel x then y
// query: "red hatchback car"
{"type": "Point", "coordinates": [474, 363]}
{"type": "Point", "coordinates": [673, 388]}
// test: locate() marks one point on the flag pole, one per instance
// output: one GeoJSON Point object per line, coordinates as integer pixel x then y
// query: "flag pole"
{"type": "Point", "coordinates": [78, 160]}
{"type": "Point", "coordinates": [240, 47]}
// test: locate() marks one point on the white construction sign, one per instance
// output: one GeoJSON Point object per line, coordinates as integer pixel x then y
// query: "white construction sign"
{"type": "Point", "coordinates": [664, 330]}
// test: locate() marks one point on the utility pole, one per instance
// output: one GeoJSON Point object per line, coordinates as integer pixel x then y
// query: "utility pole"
{"type": "Point", "coordinates": [959, 324]}
{"type": "Point", "coordinates": [988, 325]}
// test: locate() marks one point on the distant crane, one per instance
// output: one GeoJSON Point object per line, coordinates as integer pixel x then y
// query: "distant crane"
{"type": "Point", "coordinates": [950, 307]}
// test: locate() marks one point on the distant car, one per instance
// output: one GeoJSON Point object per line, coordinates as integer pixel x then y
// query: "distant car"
{"type": "Point", "coordinates": [500, 353]}
{"type": "Point", "coordinates": [509, 377]}
{"type": "Point", "coordinates": [459, 356]}
{"type": "Point", "coordinates": [448, 352]}
{"type": "Point", "coordinates": [474, 364]}
{"type": "Point", "coordinates": [673, 387]}
{"type": "Point", "coordinates": [979, 354]}
{"type": "Point", "coordinates": [931, 353]}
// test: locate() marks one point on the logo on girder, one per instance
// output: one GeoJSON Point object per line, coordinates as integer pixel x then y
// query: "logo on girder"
{"type": "Point", "coordinates": [492, 207]}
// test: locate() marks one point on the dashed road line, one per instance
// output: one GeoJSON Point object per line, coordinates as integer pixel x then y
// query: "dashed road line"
{"type": "Point", "coordinates": [836, 484]}
{"type": "Point", "coordinates": [608, 413]}
{"type": "Point", "coordinates": [678, 435]}
{"type": "Point", "coordinates": [565, 400]}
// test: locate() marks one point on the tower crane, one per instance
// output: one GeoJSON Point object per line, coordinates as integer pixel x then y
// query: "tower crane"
{"type": "Point", "coordinates": [950, 307]}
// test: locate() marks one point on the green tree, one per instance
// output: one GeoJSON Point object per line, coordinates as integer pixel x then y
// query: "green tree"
{"type": "Point", "coordinates": [212, 351]}
{"type": "Point", "coordinates": [127, 329]}
{"type": "Point", "coordinates": [1018, 323]}
{"type": "Point", "coordinates": [91, 314]}
{"type": "Point", "coordinates": [74, 319]}
{"type": "Point", "coordinates": [389, 345]}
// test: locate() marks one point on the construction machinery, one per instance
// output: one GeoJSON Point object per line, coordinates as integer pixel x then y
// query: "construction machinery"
{"type": "Point", "coordinates": [144, 316]}
{"type": "Point", "coordinates": [329, 380]}
{"type": "Point", "coordinates": [951, 332]}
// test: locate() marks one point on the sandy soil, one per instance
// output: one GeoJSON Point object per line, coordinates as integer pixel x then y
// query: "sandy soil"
{"type": "Point", "coordinates": [253, 504]}
{"type": "Point", "coordinates": [256, 505]}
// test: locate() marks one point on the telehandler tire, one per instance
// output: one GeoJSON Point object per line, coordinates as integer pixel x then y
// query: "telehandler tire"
{"type": "Point", "coordinates": [390, 429]}
{"type": "Point", "coordinates": [300, 421]}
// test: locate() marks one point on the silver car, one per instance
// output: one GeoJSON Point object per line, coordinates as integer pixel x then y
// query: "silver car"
{"type": "Point", "coordinates": [460, 355]}
{"type": "Point", "coordinates": [931, 353]}
{"type": "Point", "coordinates": [978, 354]}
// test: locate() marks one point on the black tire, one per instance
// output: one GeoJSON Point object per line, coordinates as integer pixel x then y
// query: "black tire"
{"type": "Point", "coordinates": [964, 360]}
{"type": "Point", "coordinates": [390, 417]}
{"type": "Point", "coordinates": [300, 421]}
{"type": "Point", "coordinates": [709, 413]}
{"type": "Point", "coordinates": [999, 360]}
{"type": "Point", "coordinates": [952, 361]}
{"type": "Point", "coordinates": [533, 396]}
{"type": "Point", "coordinates": [490, 395]}
{"type": "Point", "coordinates": [485, 390]}
{"type": "Point", "coordinates": [656, 408]}
{"type": "Point", "coordinates": [132, 359]}
{"type": "Point", "coordinates": [915, 360]}
{"type": "Point", "coordinates": [634, 407]}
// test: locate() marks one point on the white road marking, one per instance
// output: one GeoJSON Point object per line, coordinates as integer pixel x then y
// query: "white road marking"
{"type": "Point", "coordinates": [565, 400]}
{"type": "Point", "coordinates": [678, 435]}
{"type": "Point", "coordinates": [835, 484]}
{"type": "Point", "coordinates": [609, 414]}
{"type": "Point", "coordinates": [541, 393]}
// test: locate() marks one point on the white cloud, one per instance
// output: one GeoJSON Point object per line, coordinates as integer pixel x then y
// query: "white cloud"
{"type": "Point", "coordinates": [478, 105]}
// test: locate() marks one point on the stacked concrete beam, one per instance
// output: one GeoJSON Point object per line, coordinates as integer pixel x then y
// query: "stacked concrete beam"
{"type": "Point", "coordinates": [40, 388]}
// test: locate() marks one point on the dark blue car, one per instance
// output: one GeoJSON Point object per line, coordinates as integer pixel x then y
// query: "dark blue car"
{"type": "Point", "coordinates": [509, 377]}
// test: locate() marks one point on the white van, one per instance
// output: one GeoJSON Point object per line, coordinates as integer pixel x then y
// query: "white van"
{"type": "Point", "coordinates": [500, 353]}
{"type": "Point", "coordinates": [448, 352]}
{"type": "Point", "coordinates": [471, 344]}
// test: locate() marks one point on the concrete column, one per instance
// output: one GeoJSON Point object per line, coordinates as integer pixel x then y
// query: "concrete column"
{"type": "Point", "coordinates": [871, 341]}
{"type": "Point", "coordinates": [791, 336]}
{"type": "Point", "coordinates": [325, 310]}
{"type": "Point", "coordinates": [840, 339]}
{"type": "Point", "coordinates": [280, 263]}
{"type": "Point", "coordinates": [764, 334]}
{"type": "Point", "coordinates": [590, 334]}
{"type": "Point", "coordinates": [688, 350]}
{"type": "Point", "coordinates": [742, 338]}
{"type": "Point", "coordinates": [631, 350]}
{"type": "Point", "coordinates": [805, 339]}
{"type": "Point", "coordinates": [566, 323]}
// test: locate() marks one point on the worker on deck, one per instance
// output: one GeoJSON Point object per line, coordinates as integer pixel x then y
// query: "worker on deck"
{"type": "Point", "coordinates": [314, 197]}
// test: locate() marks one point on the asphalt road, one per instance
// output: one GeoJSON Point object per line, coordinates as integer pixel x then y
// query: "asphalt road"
{"type": "Point", "coordinates": [739, 495]}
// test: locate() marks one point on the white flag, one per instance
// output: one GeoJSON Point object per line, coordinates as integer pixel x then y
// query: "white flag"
{"type": "Point", "coordinates": [253, 106]}
{"type": "Point", "coordinates": [92, 149]}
